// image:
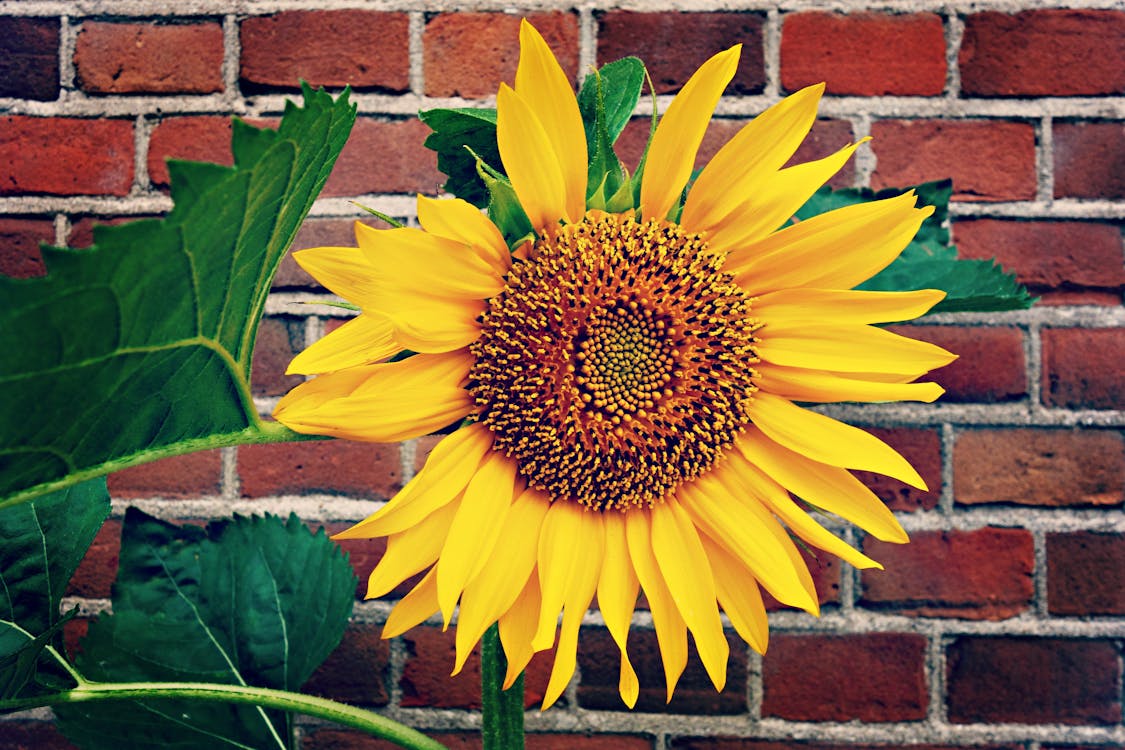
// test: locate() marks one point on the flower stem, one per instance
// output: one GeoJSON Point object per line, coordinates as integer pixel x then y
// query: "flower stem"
{"type": "Point", "coordinates": [502, 710]}
{"type": "Point", "coordinates": [322, 708]}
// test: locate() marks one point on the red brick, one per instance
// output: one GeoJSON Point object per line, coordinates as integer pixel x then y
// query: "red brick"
{"type": "Point", "coordinates": [313, 233]}
{"type": "Point", "coordinates": [277, 343]}
{"type": "Point", "coordinates": [599, 660]}
{"type": "Point", "coordinates": [82, 227]}
{"type": "Point", "coordinates": [1053, 258]}
{"type": "Point", "coordinates": [29, 58]}
{"type": "Point", "coordinates": [674, 45]}
{"type": "Point", "coordinates": [537, 741]}
{"type": "Point", "coordinates": [426, 680]}
{"type": "Point", "coordinates": [825, 571]}
{"type": "Point", "coordinates": [340, 739]}
{"type": "Point", "coordinates": [922, 448]}
{"type": "Point", "coordinates": [204, 138]}
{"type": "Point", "coordinates": [990, 367]}
{"type": "Point", "coordinates": [32, 735]}
{"type": "Point", "coordinates": [19, 245]}
{"type": "Point", "coordinates": [65, 156]}
{"type": "Point", "coordinates": [989, 160]}
{"type": "Point", "coordinates": [384, 156]}
{"type": "Point", "coordinates": [803, 677]}
{"type": "Point", "coordinates": [978, 575]}
{"type": "Point", "coordinates": [134, 58]}
{"type": "Point", "coordinates": [338, 467]}
{"type": "Point", "coordinates": [1084, 368]}
{"type": "Point", "coordinates": [357, 671]}
{"type": "Point", "coordinates": [360, 48]}
{"type": "Point", "coordinates": [364, 555]}
{"type": "Point", "coordinates": [732, 743]}
{"type": "Point", "coordinates": [469, 54]}
{"type": "Point", "coordinates": [866, 54]}
{"type": "Point", "coordinates": [1086, 573]}
{"type": "Point", "coordinates": [1045, 467]}
{"type": "Point", "coordinates": [98, 569]}
{"type": "Point", "coordinates": [1033, 681]}
{"type": "Point", "coordinates": [1043, 53]}
{"type": "Point", "coordinates": [190, 475]}
{"type": "Point", "coordinates": [1089, 160]}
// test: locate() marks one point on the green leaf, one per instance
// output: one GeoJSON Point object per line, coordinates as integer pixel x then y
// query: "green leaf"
{"type": "Point", "coordinates": [251, 601]}
{"type": "Point", "coordinates": [140, 346]}
{"type": "Point", "coordinates": [608, 97]}
{"type": "Point", "coordinates": [454, 129]}
{"type": "Point", "coordinates": [930, 261]}
{"type": "Point", "coordinates": [43, 543]}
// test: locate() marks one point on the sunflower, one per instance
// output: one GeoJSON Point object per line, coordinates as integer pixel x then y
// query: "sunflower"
{"type": "Point", "coordinates": [622, 386]}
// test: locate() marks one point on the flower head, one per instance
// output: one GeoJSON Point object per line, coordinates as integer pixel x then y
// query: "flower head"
{"type": "Point", "coordinates": [623, 386]}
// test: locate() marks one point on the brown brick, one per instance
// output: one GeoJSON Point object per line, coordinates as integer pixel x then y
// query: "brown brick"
{"type": "Point", "coordinates": [339, 739]}
{"type": "Point", "coordinates": [599, 661]}
{"type": "Point", "coordinates": [732, 743]}
{"type": "Point", "coordinates": [990, 367]}
{"type": "Point", "coordinates": [364, 555]}
{"type": "Point", "coordinates": [536, 741]}
{"type": "Point", "coordinates": [674, 45]}
{"type": "Point", "coordinates": [339, 467]}
{"type": "Point", "coordinates": [922, 448]}
{"type": "Point", "coordinates": [190, 475]}
{"type": "Point", "coordinates": [94, 576]}
{"type": "Point", "coordinates": [134, 58]}
{"type": "Point", "coordinates": [1046, 467]}
{"type": "Point", "coordinates": [1053, 258]}
{"type": "Point", "coordinates": [385, 156]}
{"type": "Point", "coordinates": [357, 671]}
{"type": "Point", "coordinates": [989, 160]}
{"type": "Point", "coordinates": [469, 54]}
{"type": "Point", "coordinates": [1043, 53]}
{"type": "Point", "coordinates": [1090, 160]}
{"type": "Point", "coordinates": [1033, 681]}
{"type": "Point", "coordinates": [1084, 368]}
{"type": "Point", "coordinates": [277, 343]}
{"type": "Point", "coordinates": [1086, 573]}
{"type": "Point", "coordinates": [803, 677]}
{"type": "Point", "coordinates": [361, 48]}
{"type": "Point", "coordinates": [977, 575]}
{"type": "Point", "coordinates": [29, 58]}
{"type": "Point", "coordinates": [19, 245]}
{"type": "Point", "coordinates": [866, 54]}
{"type": "Point", "coordinates": [32, 735]}
{"type": "Point", "coordinates": [825, 571]}
{"type": "Point", "coordinates": [65, 156]}
{"type": "Point", "coordinates": [202, 138]}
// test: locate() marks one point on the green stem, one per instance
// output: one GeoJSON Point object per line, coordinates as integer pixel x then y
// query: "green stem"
{"type": "Point", "coordinates": [502, 710]}
{"type": "Point", "coordinates": [322, 708]}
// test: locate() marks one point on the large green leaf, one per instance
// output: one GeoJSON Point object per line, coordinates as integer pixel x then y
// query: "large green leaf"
{"type": "Point", "coordinates": [454, 130]}
{"type": "Point", "coordinates": [43, 543]}
{"type": "Point", "coordinates": [254, 601]}
{"type": "Point", "coordinates": [140, 346]}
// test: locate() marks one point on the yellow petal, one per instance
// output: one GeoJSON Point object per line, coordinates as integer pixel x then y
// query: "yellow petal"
{"type": "Point", "coordinates": [671, 154]}
{"type": "Point", "coordinates": [432, 325]}
{"type": "Point", "coordinates": [805, 306]}
{"type": "Point", "coordinates": [847, 348]}
{"type": "Point", "coordinates": [517, 628]}
{"type": "Point", "coordinates": [364, 339]}
{"type": "Point", "coordinates": [461, 221]}
{"type": "Point", "coordinates": [827, 487]}
{"type": "Point", "coordinates": [385, 402]}
{"type": "Point", "coordinates": [683, 564]}
{"type": "Point", "coordinates": [738, 594]}
{"type": "Point", "coordinates": [541, 82]}
{"type": "Point", "coordinates": [818, 386]}
{"type": "Point", "coordinates": [415, 607]}
{"type": "Point", "coordinates": [530, 160]}
{"type": "Point", "coordinates": [411, 551]}
{"type": "Point", "coordinates": [480, 517]}
{"type": "Point", "coordinates": [837, 249]}
{"type": "Point", "coordinates": [671, 631]}
{"type": "Point", "coordinates": [617, 598]}
{"type": "Point", "coordinates": [342, 270]}
{"type": "Point", "coordinates": [745, 164]}
{"type": "Point", "coordinates": [411, 259]}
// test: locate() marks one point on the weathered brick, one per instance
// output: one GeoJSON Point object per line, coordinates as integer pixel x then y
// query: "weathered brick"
{"type": "Point", "coordinates": [922, 448]}
{"type": "Point", "coordinates": [803, 675]}
{"type": "Point", "coordinates": [979, 575]}
{"type": "Point", "coordinates": [1043, 53]}
{"type": "Point", "coordinates": [385, 156]}
{"type": "Point", "coordinates": [1033, 680]}
{"type": "Point", "coordinates": [196, 138]}
{"type": "Point", "coordinates": [65, 155]}
{"type": "Point", "coordinates": [357, 671]}
{"type": "Point", "coordinates": [674, 45]}
{"type": "Point", "coordinates": [990, 364]}
{"type": "Point", "coordinates": [364, 555]}
{"type": "Point", "coordinates": [469, 54]}
{"type": "Point", "coordinates": [361, 48]}
{"type": "Point", "coordinates": [989, 160]}
{"type": "Point", "coordinates": [32, 735]}
{"type": "Point", "coordinates": [1047, 467]}
{"type": "Point", "coordinates": [133, 58]}
{"type": "Point", "coordinates": [277, 343]}
{"type": "Point", "coordinates": [1065, 261]}
{"type": "Point", "coordinates": [1086, 573]}
{"type": "Point", "coordinates": [338, 467]}
{"type": "Point", "coordinates": [1084, 368]}
{"type": "Point", "coordinates": [95, 574]}
{"type": "Point", "coordinates": [825, 571]}
{"type": "Point", "coordinates": [190, 475]}
{"type": "Point", "coordinates": [866, 54]}
{"type": "Point", "coordinates": [732, 743]}
{"type": "Point", "coordinates": [29, 58]}
{"type": "Point", "coordinates": [339, 739]}
{"type": "Point", "coordinates": [1089, 160]}
{"type": "Point", "coordinates": [599, 661]}
{"type": "Point", "coordinates": [19, 245]}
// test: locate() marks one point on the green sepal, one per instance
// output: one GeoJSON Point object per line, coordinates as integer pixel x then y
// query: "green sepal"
{"type": "Point", "coordinates": [606, 101]}
{"type": "Point", "coordinates": [504, 207]}
{"type": "Point", "coordinates": [453, 130]}
{"type": "Point", "coordinates": [379, 215]}
{"type": "Point", "coordinates": [638, 176]}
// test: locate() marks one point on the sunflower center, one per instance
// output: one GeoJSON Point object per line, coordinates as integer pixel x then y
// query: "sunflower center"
{"type": "Point", "coordinates": [615, 364]}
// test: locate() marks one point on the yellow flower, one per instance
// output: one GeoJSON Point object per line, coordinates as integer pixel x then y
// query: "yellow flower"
{"type": "Point", "coordinates": [622, 388]}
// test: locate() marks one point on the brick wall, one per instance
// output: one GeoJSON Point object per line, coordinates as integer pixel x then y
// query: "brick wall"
{"type": "Point", "coordinates": [1000, 626]}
